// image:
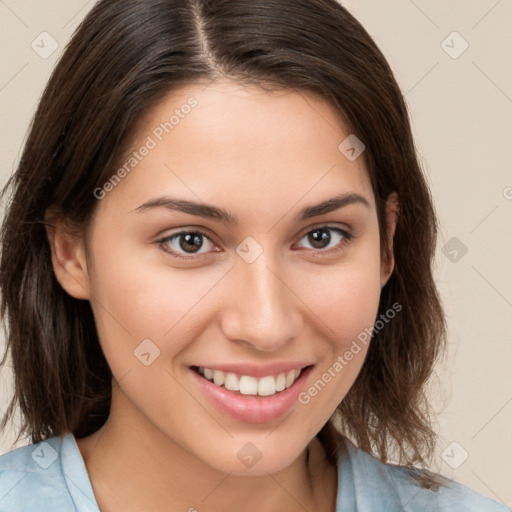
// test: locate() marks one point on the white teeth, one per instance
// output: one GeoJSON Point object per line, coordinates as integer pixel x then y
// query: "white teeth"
{"type": "Point", "coordinates": [267, 386]}
{"type": "Point", "coordinates": [232, 383]}
{"type": "Point", "coordinates": [281, 382]}
{"type": "Point", "coordinates": [218, 377]}
{"type": "Point", "coordinates": [248, 385]}
{"type": "Point", "coordinates": [290, 377]}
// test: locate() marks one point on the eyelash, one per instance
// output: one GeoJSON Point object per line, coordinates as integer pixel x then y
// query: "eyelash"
{"type": "Point", "coordinates": [347, 238]}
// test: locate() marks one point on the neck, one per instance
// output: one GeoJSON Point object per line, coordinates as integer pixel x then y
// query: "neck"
{"type": "Point", "coordinates": [140, 468]}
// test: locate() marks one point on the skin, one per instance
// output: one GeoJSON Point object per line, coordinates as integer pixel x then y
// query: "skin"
{"type": "Point", "coordinates": [262, 156]}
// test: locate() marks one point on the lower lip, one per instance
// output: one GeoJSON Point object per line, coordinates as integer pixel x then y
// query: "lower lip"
{"type": "Point", "coordinates": [253, 408]}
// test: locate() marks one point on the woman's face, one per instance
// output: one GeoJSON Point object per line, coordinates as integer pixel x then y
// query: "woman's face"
{"type": "Point", "coordinates": [210, 251]}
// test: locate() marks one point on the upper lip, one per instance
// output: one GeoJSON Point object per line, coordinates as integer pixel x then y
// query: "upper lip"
{"type": "Point", "coordinates": [255, 370]}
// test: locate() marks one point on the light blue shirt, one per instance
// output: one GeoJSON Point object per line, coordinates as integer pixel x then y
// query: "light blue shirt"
{"type": "Point", "coordinates": [51, 476]}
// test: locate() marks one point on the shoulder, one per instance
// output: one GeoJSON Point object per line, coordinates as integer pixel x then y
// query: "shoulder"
{"type": "Point", "coordinates": [33, 475]}
{"type": "Point", "coordinates": [383, 486]}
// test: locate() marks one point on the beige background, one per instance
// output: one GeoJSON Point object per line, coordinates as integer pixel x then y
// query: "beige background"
{"type": "Point", "coordinates": [461, 111]}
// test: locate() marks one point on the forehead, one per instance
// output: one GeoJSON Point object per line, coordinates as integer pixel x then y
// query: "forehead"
{"type": "Point", "coordinates": [240, 145]}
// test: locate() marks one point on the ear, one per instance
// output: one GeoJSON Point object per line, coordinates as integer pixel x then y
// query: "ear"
{"type": "Point", "coordinates": [68, 256]}
{"type": "Point", "coordinates": [388, 263]}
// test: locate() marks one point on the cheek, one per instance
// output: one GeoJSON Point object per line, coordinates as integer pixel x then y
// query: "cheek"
{"type": "Point", "coordinates": [344, 304]}
{"type": "Point", "coordinates": [137, 299]}
{"type": "Point", "coordinates": [345, 299]}
{"type": "Point", "coordinates": [355, 309]}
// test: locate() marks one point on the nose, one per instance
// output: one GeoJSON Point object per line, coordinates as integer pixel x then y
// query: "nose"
{"type": "Point", "coordinates": [262, 309]}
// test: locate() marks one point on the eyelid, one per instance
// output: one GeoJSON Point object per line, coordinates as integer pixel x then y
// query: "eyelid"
{"type": "Point", "coordinates": [319, 225]}
{"type": "Point", "coordinates": [191, 229]}
{"type": "Point", "coordinates": [346, 232]}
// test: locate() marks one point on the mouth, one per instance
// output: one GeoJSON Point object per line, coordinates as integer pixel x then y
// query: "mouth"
{"type": "Point", "coordinates": [249, 398]}
{"type": "Point", "coordinates": [249, 385]}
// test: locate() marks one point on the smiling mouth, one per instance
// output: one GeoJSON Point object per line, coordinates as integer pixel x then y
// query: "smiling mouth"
{"type": "Point", "coordinates": [249, 385]}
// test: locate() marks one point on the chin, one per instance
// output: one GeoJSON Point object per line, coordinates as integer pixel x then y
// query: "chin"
{"type": "Point", "coordinates": [257, 457]}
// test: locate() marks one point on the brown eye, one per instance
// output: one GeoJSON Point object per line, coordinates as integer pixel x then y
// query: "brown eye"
{"type": "Point", "coordinates": [326, 237]}
{"type": "Point", "coordinates": [186, 242]}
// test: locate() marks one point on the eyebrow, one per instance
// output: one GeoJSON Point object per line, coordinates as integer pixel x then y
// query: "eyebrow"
{"type": "Point", "coordinates": [213, 212]}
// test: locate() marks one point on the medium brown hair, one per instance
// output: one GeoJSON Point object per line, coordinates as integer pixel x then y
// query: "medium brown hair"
{"type": "Point", "coordinates": [124, 58]}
